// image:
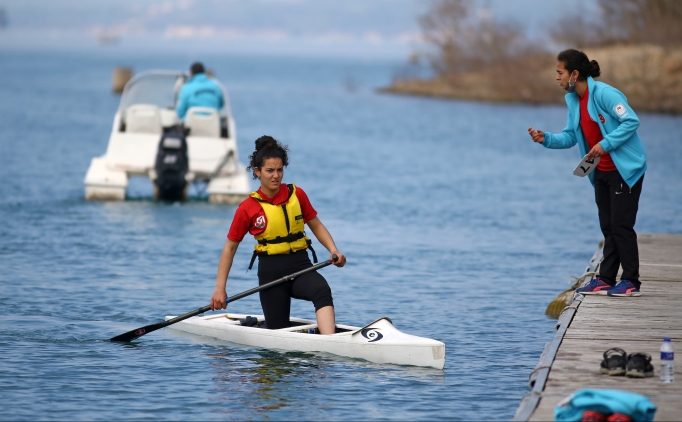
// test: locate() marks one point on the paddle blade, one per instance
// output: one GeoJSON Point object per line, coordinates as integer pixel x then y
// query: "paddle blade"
{"type": "Point", "coordinates": [137, 333]}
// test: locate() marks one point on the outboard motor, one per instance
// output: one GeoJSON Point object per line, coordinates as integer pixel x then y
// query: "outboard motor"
{"type": "Point", "coordinates": [172, 165]}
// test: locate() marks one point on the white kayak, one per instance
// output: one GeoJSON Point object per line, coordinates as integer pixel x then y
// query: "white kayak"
{"type": "Point", "coordinates": [378, 342]}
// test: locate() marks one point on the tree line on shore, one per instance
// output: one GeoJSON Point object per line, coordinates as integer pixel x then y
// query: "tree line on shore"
{"type": "Point", "coordinates": [638, 44]}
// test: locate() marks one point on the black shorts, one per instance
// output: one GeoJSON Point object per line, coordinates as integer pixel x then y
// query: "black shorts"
{"type": "Point", "coordinates": [276, 301]}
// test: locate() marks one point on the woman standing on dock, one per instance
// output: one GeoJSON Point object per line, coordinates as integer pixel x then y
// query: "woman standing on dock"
{"type": "Point", "coordinates": [603, 125]}
{"type": "Point", "coordinates": [276, 215]}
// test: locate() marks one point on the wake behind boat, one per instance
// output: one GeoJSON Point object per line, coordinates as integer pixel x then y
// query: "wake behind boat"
{"type": "Point", "coordinates": [378, 342]}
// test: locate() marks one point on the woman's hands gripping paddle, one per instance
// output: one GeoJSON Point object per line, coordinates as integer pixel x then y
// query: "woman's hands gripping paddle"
{"type": "Point", "coordinates": [337, 258]}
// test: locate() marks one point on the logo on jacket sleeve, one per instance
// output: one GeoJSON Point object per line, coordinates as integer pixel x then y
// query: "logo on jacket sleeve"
{"type": "Point", "coordinates": [621, 111]}
{"type": "Point", "coordinates": [260, 222]}
{"type": "Point", "coordinates": [602, 119]}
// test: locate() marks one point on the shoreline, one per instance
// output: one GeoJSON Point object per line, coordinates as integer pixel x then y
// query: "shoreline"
{"type": "Point", "coordinates": [439, 88]}
{"type": "Point", "coordinates": [650, 76]}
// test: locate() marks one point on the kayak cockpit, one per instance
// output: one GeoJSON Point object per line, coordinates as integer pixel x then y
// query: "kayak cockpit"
{"type": "Point", "coordinates": [296, 325]}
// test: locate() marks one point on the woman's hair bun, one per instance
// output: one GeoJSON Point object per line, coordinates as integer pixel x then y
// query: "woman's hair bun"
{"type": "Point", "coordinates": [265, 141]}
{"type": "Point", "coordinates": [594, 69]}
{"type": "Point", "coordinates": [577, 60]}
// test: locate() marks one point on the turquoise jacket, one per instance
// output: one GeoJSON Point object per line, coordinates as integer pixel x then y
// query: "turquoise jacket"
{"type": "Point", "coordinates": [618, 123]}
{"type": "Point", "coordinates": [199, 91]}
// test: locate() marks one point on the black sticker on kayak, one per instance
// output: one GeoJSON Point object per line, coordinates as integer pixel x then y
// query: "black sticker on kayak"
{"type": "Point", "coordinates": [372, 334]}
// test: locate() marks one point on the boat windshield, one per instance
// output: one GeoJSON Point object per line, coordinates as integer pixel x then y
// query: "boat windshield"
{"type": "Point", "coordinates": [158, 89]}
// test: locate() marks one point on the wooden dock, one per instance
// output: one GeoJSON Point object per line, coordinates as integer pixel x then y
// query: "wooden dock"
{"type": "Point", "coordinates": [593, 324]}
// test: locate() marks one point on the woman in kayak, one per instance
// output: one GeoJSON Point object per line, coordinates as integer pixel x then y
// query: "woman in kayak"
{"type": "Point", "coordinates": [275, 215]}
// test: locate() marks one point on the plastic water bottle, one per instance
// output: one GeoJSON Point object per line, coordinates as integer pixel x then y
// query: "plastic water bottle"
{"type": "Point", "coordinates": [667, 356]}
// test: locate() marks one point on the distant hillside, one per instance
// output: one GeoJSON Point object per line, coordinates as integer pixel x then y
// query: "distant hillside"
{"type": "Point", "coordinates": [649, 75]}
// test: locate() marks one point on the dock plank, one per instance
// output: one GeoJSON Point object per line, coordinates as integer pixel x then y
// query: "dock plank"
{"type": "Point", "coordinates": [636, 324]}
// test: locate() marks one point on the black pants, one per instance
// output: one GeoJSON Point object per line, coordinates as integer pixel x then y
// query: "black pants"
{"type": "Point", "coordinates": [276, 301]}
{"type": "Point", "coordinates": [618, 204]}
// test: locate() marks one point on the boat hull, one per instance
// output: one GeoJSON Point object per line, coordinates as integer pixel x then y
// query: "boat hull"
{"type": "Point", "coordinates": [378, 342]}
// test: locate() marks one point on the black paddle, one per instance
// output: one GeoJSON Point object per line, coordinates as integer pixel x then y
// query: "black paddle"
{"type": "Point", "coordinates": [139, 332]}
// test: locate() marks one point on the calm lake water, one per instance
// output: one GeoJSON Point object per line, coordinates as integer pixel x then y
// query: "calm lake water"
{"type": "Point", "coordinates": [455, 225]}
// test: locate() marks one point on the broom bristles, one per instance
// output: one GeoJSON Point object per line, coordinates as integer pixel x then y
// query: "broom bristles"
{"type": "Point", "coordinates": [560, 302]}
{"type": "Point", "coordinates": [564, 298]}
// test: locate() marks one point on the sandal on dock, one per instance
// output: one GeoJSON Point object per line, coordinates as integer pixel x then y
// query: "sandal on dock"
{"type": "Point", "coordinates": [639, 366]}
{"type": "Point", "coordinates": [614, 362]}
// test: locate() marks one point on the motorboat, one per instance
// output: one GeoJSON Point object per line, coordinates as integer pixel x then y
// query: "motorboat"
{"type": "Point", "coordinates": [146, 115]}
{"type": "Point", "coordinates": [378, 342]}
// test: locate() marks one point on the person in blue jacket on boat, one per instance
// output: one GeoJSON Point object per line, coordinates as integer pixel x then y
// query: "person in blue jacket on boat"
{"type": "Point", "coordinates": [199, 91]}
{"type": "Point", "coordinates": [603, 124]}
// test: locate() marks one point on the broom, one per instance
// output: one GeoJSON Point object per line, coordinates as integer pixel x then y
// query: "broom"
{"type": "Point", "coordinates": [565, 298]}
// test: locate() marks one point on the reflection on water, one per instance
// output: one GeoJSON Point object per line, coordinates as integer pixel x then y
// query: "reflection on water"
{"type": "Point", "coordinates": [264, 378]}
{"type": "Point", "coordinates": [252, 381]}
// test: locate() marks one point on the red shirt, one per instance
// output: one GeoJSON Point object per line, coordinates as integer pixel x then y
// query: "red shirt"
{"type": "Point", "coordinates": [593, 134]}
{"type": "Point", "coordinates": [249, 210]}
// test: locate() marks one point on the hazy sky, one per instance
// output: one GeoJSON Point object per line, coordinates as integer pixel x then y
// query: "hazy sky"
{"type": "Point", "coordinates": [385, 27]}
